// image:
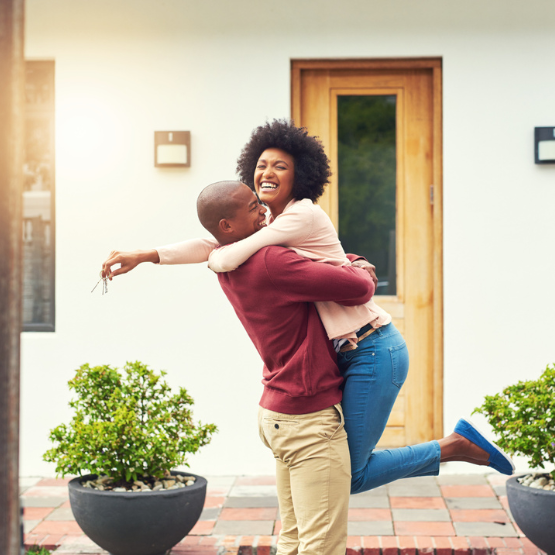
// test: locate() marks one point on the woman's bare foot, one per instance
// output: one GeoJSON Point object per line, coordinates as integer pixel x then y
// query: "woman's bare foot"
{"type": "Point", "coordinates": [455, 447]}
{"type": "Point", "coordinates": [467, 442]}
{"type": "Point", "coordinates": [467, 460]}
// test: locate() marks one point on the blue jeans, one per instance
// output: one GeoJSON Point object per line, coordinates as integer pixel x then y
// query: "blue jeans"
{"type": "Point", "coordinates": [374, 374]}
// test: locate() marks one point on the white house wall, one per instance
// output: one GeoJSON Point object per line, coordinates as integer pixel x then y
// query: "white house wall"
{"type": "Point", "coordinates": [125, 69]}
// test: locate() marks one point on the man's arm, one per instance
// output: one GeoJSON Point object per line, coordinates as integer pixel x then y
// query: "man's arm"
{"type": "Point", "coordinates": [304, 280]}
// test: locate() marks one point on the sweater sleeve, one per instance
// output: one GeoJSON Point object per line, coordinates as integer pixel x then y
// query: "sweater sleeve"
{"type": "Point", "coordinates": [192, 251]}
{"type": "Point", "coordinates": [304, 280]}
{"type": "Point", "coordinates": [290, 229]}
{"type": "Point", "coordinates": [355, 257]}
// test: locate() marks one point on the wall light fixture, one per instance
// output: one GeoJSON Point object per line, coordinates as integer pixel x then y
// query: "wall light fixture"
{"type": "Point", "coordinates": [544, 145]}
{"type": "Point", "coordinates": [172, 149]}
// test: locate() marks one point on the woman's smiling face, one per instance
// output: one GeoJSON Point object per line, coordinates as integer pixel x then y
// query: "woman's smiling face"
{"type": "Point", "coordinates": [273, 179]}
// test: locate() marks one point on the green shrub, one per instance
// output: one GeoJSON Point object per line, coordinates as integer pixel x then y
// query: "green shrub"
{"type": "Point", "coordinates": [125, 426]}
{"type": "Point", "coordinates": [37, 550]}
{"type": "Point", "coordinates": [523, 417]}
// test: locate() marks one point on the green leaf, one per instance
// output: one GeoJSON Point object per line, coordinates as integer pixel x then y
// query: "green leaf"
{"type": "Point", "coordinates": [125, 421]}
{"type": "Point", "coordinates": [523, 418]}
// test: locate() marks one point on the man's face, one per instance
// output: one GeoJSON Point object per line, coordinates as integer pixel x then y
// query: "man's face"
{"type": "Point", "coordinates": [250, 217]}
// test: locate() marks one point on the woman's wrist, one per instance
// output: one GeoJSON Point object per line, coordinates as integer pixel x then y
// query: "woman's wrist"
{"type": "Point", "coordinates": [150, 255]}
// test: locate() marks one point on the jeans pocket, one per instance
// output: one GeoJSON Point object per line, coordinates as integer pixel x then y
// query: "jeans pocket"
{"type": "Point", "coordinates": [359, 362]}
{"type": "Point", "coordinates": [345, 358]}
{"type": "Point", "coordinates": [399, 363]}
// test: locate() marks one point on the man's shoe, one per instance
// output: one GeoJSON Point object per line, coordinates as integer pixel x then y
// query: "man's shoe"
{"type": "Point", "coordinates": [498, 460]}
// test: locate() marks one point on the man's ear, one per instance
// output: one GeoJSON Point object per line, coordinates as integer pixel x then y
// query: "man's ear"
{"type": "Point", "coordinates": [224, 226]}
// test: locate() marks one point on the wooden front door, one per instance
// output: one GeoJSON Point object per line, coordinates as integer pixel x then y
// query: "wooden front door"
{"type": "Point", "coordinates": [380, 123]}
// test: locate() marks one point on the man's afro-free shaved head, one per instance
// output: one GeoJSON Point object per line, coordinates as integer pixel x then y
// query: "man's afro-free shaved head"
{"type": "Point", "coordinates": [216, 202]}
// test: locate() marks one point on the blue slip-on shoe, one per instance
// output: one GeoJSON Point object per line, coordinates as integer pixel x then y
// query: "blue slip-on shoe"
{"type": "Point", "coordinates": [498, 460]}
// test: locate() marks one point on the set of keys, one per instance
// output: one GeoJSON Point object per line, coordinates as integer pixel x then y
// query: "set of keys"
{"type": "Point", "coordinates": [104, 285]}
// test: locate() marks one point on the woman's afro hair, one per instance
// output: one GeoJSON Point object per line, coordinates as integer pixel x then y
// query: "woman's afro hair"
{"type": "Point", "coordinates": [312, 167]}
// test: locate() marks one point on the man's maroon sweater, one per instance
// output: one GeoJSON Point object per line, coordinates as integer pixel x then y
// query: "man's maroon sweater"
{"type": "Point", "coordinates": [273, 294]}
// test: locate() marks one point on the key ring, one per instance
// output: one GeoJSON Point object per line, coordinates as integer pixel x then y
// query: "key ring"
{"type": "Point", "coordinates": [104, 285]}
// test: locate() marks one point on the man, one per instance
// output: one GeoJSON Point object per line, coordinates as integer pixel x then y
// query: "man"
{"type": "Point", "coordinates": [300, 417]}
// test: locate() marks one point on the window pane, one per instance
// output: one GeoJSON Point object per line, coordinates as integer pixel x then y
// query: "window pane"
{"type": "Point", "coordinates": [367, 170]}
{"type": "Point", "coordinates": [38, 199]}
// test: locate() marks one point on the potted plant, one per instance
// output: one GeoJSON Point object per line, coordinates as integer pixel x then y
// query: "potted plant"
{"type": "Point", "coordinates": [523, 417]}
{"type": "Point", "coordinates": [127, 433]}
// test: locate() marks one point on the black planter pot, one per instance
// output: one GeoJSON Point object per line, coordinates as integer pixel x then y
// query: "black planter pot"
{"type": "Point", "coordinates": [137, 523]}
{"type": "Point", "coordinates": [534, 512]}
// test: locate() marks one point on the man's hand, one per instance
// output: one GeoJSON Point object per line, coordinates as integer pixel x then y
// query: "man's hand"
{"type": "Point", "coordinates": [370, 268]}
{"type": "Point", "coordinates": [128, 261]}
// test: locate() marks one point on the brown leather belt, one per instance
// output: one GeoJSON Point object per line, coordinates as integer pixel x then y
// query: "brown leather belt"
{"type": "Point", "coordinates": [365, 331]}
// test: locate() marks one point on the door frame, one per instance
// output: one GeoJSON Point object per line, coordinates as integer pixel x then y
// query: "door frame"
{"type": "Point", "coordinates": [436, 194]}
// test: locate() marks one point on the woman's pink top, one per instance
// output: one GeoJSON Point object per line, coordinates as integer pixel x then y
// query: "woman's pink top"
{"type": "Point", "coordinates": [303, 227]}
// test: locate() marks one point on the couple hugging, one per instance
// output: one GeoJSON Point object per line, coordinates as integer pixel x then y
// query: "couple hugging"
{"type": "Point", "coordinates": [333, 361]}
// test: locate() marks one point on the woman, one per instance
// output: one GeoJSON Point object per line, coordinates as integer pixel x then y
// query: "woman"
{"type": "Point", "coordinates": [288, 169]}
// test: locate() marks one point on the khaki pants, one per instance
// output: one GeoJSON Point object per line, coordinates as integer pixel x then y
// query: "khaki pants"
{"type": "Point", "coordinates": [313, 472]}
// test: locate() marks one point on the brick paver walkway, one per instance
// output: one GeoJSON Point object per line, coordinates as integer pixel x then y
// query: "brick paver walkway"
{"type": "Point", "coordinates": [447, 515]}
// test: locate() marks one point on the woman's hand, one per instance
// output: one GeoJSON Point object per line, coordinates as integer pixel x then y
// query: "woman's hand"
{"type": "Point", "coordinates": [370, 268]}
{"type": "Point", "coordinates": [128, 261]}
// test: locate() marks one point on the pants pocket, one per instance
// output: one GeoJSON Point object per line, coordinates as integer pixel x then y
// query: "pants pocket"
{"type": "Point", "coordinates": [333, 422]}
{"type": "Point", "coordinates": [279, 432]}
{"type": "Point", "coordinates": [399, 363]}
{"type": "Point", "coordinates": [283, 437]}
{"type": "Point", "coordinates": [261, 427]}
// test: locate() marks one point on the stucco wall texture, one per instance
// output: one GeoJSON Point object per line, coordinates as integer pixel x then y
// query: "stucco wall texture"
{"type": "Point", "coordinates": [128, 68]}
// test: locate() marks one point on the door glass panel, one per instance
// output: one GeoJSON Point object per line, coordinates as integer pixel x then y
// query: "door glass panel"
{"type": "Point", "coordinates": [366, 178]}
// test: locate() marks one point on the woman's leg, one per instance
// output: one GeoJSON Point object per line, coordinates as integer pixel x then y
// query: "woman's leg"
{"type": "Point", "coordinates": [374, 374]}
